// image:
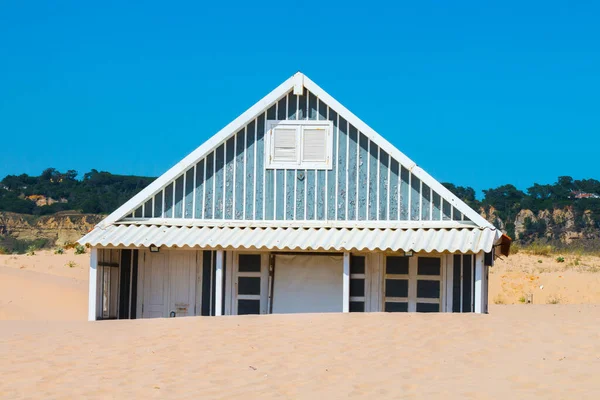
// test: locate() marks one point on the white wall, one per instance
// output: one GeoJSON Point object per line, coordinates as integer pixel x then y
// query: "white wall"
{"type": "Point", "coordinates": [308, 283]}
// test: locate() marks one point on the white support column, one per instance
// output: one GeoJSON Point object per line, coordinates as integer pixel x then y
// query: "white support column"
{"type": "Point", "coordinates": [449, 281]}
{"type": "Point", "coordinates": [231, 267]}
{"type": "Point", "coordinates": [346, 284]}
{"type": "Point", "coordinates": [219, 284]}
{"type": "Point", "coordinates": [93, 285]}
{"type": "Point", "coordinates": [479, 283]}
{"type": "Point", "coordinates": [412, 287]}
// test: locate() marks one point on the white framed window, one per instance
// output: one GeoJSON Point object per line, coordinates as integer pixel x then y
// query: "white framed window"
{"type": "Point", "coordinates": [299, 144]}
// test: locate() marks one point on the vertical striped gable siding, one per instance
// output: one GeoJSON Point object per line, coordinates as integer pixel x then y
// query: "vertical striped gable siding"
{"type": "Point", "coordinates": [365, 183]}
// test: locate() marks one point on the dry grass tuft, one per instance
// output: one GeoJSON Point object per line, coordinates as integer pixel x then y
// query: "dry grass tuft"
{"type": "Point", "coordinates": [554, 299]}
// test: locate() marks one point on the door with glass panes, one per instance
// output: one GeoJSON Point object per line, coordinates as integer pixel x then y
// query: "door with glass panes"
{"type": "Point", "coordinates": [250, 278]}
{"type": "Point", "coordinates": [413, 283]}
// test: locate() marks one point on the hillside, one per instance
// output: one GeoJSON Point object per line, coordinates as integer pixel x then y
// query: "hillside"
{"type": "Point", "coordinates": [54, 191]}
{"type": "Point", "coordinates": [57, 207]}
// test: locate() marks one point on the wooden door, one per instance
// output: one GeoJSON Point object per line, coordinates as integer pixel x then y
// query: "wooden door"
{"type": "Point", "coordinates": [155, 285]}
{"type": "Point", "coordinates": [182, 282]}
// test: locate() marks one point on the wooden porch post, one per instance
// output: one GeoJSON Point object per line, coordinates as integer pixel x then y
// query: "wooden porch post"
{"type": "Point", "coordinates": [92, 295]}
{"type": "Point", "coordinates": [219, 284]}
{"type": "Point", "coordinates": [479, 283]}
{"type": "Point", "coordinates": [346, 284]}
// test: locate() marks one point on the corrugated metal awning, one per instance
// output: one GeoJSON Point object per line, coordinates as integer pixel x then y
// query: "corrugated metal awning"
{"type": "Point", "coordinates": [462, 240]}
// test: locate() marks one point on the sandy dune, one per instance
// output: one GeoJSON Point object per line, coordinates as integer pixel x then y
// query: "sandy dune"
{"type": "Point", "coordinates": [43, 287]}
{"type": "Point", "coordinates": [576, 280]}
{"type": "Point", "coordinates": [515, 352]}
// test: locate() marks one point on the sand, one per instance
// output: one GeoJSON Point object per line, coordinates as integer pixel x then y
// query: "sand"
{"type": "Point", "coordinates": [44, 286]}
{"type": "Point", "coordinates": [546, 351]}
{"type": "Point", "coordinates": [574, 281]}
{"type": "Point", "coordinates": [538, 351]}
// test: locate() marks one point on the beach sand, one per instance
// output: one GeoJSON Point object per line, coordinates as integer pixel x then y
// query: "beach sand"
{"type": "Point", "coordinates": [576, 280]}
{"type": "Point", "coordinates": [44, 286]}
{"type": "Point", "coordinates": [546, 351]}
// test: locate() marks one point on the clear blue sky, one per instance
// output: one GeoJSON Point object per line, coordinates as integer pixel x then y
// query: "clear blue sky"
{"type": "Point", "coordinates": [477, 93]}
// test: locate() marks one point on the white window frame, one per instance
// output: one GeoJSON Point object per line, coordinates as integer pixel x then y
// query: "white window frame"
{"type": "Point", "coordinates": [298, 163]}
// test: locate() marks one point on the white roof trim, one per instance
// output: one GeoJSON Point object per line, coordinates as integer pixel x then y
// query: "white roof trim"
{"type": "Point", "coordinates": [185, 222]}
{"type": "Point", "coordinates": [295, 82]}
{"type": "Point", "coordinates": [466, 240]}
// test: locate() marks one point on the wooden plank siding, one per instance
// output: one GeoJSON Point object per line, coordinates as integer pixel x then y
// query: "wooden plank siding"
{"type": "Point", "coordinates": [365, 182]}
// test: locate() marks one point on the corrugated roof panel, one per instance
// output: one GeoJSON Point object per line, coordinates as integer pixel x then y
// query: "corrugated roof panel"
{"type": "Point", "coordinates": [294, 238]}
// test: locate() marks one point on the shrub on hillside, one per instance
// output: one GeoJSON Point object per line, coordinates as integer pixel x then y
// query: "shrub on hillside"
{"type": "Point", "coordinates": [79, 249]}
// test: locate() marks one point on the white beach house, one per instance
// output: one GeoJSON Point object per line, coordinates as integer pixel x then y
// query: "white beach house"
{"type": "Point", "coordinates": [295, 206]}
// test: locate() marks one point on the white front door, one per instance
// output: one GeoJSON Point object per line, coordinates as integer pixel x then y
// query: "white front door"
{"type": "Point", "coordinates": [308, 284]}
{"type": "Point", "coordinates": [182, 278]}
{"type": "Point", "coordinates": [155, 285]}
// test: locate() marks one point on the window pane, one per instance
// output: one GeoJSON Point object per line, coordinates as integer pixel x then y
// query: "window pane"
{"type": "Point", "coordinates": [428, 289]}
{"type": "Point", "coordinates": [396, 265]}
{"type": "Point", "coordinates": [315, 144]}
{"type": "Point", "coordinates": [357, 287]}
{"type": "Point", "coordinates": [396, 287]}
{"type": "Point", "coordinates": [246, 307]}
{"type": "Point", "coordinates": [357, 306]}
{"type": "Point", "coordinates": [248, 285]}
{"type": "Point", "coordinates": [425, 307]}
{"type": "Point", "coordinates": [396, 307]}
{"type": "Point", "coordinates": [284, 144]}
{"type": "Point", "coordinates": [429, 266]}
{"type": "Point", "coordinates": [249, 263]}
{"type": "Point", "coordinates": [357, 264]}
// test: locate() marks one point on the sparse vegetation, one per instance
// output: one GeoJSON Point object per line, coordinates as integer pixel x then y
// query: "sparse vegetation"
{"type": "Point", "coordinates": [31, 250]}
{"type": "Point", "coordinates": [553, 300]}
{"type": "Point", "coordinates": [79, 249]}
{"type": "Point", "coordinates": [540, 261]}
{"type": "Point", "coordinates": [522, 299]}
{"type": "Point", "coordinates": [576, 261]}
{"type": "Point", "coordinates": [18, 246]}
{"type": "Point", "coordinates": [71, 264]}
{"type": "Point", "coordinates": [3, 250]}
{"type": "Point", "coordinates": [560, 259]}
{"type": "Point", "coordinates": [539, 249]}
{"type": "Point", "coordinates": [59, 250]}
{"type": "Point", "coordinates": [499, 299]}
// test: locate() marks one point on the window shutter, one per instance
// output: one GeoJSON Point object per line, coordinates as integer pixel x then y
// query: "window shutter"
{"type": "Point", "coordinates": [314, 146]}
{"type": "Point", "coordinates": [284, 144]}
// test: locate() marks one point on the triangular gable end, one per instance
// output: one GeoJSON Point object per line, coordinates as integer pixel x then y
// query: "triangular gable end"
{"type": "Point", "coordinates": [225, 180]}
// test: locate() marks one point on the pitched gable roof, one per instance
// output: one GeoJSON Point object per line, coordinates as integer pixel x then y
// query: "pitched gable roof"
{"type": "Point", "coordinates": [297, 83]}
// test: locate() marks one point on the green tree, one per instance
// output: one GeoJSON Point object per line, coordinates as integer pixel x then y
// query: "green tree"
{"type": "Point", "coordinates": [465, 193]}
